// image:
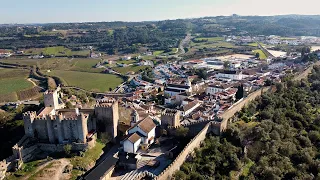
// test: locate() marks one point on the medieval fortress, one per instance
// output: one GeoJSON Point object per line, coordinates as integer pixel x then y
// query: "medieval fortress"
{"type": "Point", "coordinates": [49, 129]}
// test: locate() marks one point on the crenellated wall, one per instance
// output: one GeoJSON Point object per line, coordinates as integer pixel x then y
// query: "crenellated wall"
{"type": "Point", "coordinates": [175, 165]}
{"type": "Point", "coordinates": [209, 127]}
{"type": "Point", "coordinates": [56, 129]}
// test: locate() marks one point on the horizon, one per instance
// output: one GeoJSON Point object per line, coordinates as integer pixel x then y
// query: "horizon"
{"type": "Point", "coordinates": [81, 11]}
{"type": "Point", "coordinates": [34, 23]}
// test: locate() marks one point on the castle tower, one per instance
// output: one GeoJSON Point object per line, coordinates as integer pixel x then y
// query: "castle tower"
{"type": "Point", "coordinates": [59, 119]}
{"type": "Point", "coordinates": [49, 123]}
{"type": "Point", "coordinates": [170, 117]}
{"type": "Point", "coordinates": [51, 99]}
{"type": "Point", "coordinates": [107, 116]}
{"type": "Point", "coordinates": [82, 127]}
{"type": "Point", "coordinates": [28, 118]}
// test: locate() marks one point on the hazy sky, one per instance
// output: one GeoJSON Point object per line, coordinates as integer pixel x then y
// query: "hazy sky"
{"type": "Point", "coordinates": [42, 11]}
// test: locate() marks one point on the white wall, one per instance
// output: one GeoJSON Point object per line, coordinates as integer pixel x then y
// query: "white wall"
{"type": "Point", "coordinates": [129, 147]}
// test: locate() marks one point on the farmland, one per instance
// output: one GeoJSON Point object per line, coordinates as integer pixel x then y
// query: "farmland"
{"type": "Point", "coordinates": [56, 51]}
{"type": "Point", "coordinates": [79, 64]}
{"type": "Point", "coordinates": [13, 81]}
{"type": "Point", "coordinates": [125, 70]}
{"type": "Point", "coordinates": [90, 81]}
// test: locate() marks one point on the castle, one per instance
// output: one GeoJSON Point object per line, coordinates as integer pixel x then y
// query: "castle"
{"type": "Point", "coordinates": [55, 125]}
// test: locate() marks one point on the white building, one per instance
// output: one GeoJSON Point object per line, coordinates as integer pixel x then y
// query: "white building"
{"type": "Point", "coordinates": [234, 75]}
{"type": "Point", "coordinates": [126, 58]}
{"type": "Point", "coordinates": [174, 89]}
{"type": "Point", "coordinates": [131, 145]}
{"type": "Point", "coordinates": [215, 88]}
{"type": "Point", "coordinates": [142, 134]}
{"type": "Point", "coordinates": [190, 107]}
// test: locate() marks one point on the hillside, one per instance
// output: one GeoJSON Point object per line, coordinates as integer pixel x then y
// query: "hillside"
{"type": "Point", "coordinates": [275, 137]}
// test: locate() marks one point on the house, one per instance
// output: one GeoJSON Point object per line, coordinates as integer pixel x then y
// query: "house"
{"type": "Point", "coordinates": [173, 89]}
{"type": "Point", "coordinates": [4, 53]}
{"type": "Point", "coordinates": [131, 145]}
{"type": "Point", "coordinates": [126, 58]}
{"type": "Point", "coordinates": [188, 108]}
{"type": "Point", "coordinates": [230, 74]}
{"type": "Point", "coordinates": [142, 134]}
{"type": "Point", "coordinates": [219, 87]}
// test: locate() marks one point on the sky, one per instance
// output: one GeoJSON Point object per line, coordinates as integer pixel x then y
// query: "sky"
{"type": "Point", "coordinates": [43, 11]}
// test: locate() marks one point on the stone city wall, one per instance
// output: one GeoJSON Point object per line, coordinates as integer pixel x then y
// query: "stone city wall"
{"type": "Point", "coordinates": [175, 165]}
{"type": "Point", "coordinates": [238, 107]}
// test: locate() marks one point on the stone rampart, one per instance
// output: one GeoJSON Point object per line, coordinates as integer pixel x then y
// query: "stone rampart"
{"type": "Point", "coordinates": [175, 165]}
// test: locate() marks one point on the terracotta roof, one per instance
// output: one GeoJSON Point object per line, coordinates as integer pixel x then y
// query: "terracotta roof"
{"type": "Point", "coordinates": [134, 138]}
{"type": "Point", "coordinates": [45, 111]}
{"type": "Point", "coordinates": [146, 125]}
{"type": "Point", "coordinates": [190, 105]}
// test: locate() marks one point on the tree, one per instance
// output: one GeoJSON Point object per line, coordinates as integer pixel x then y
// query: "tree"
{"type": "Point", "coordinates": [67, 148]}
{"type": "Point", "coordinates": [226, 65]}
{"type": "Point", "coordinates": [69, 105]}
{"type": "Point", "coordinates": [104, 137]}
{"type": "Point", "coordinates": [257, 55]}
{"type": "Point", "coordinates": [110, 89]}
{"type": "Point", "coordinates": [240, 92]}
{"type": "Point", "coordinates": [182, 132]}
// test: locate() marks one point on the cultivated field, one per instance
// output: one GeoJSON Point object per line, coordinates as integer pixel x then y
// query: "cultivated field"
{"type": "Point", "coordinates": [90, 81]}
{"type": "Point", "coordinates": [13, 81]}
{"type": "Point", "coordinates": [56, 51]}
{"type": "Point", "coordinates": [75, 64]}
{"type": "Point", "coordinates": [125, 70]}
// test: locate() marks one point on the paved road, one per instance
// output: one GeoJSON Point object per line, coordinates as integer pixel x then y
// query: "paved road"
{"type": "Point", "coordinates": [22, 102]}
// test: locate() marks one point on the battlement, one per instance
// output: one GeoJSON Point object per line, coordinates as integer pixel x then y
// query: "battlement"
{"type": "Point", "coordinates": [103, 106]}
{"type": "Point", "coordinates": [29, 113]}
{"type": "Point", "coordinates": [106, 101]}
{"type": "Point", "coordinates": [170, 112]}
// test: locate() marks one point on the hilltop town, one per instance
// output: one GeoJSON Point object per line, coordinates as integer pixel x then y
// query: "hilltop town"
{"type": "Point", "coordinates": [86, 114]}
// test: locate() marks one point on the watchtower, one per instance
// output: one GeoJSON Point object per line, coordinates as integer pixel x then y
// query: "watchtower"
{"type": "Point", "coordinates": [170, 117]}
{"type": "Point", "coordinates": [107, 116]}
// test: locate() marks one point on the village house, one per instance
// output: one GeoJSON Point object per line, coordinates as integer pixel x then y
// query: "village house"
{"type": "Point", "coordinates": [230, 74]}
{"type": "Point", "coordinates": [142, 134]}
{"type": "Point", "coordinates": [188, 108]}
{"type": "Point", "coordinates": [172, 89]}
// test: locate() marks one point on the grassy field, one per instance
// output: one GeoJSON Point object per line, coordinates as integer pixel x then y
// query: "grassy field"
{"type": "Point", "coordinates": [213, 42]}
{"type": "Point", "coordinates": [157, 53]}
{"type": "Point", "coordinates": [89, 156]}
{"type": "Point", "coordinates": [262, 54]}
{"type": "Point", "coordinates": [125, 70]}
{"type": "Point", "coordinates": [56, 51]}
{"type": "Point", "coordinates": [75, 64]}
{"type": "Point", "coordinates": [90, 81]}
{"type": "Point", "coordinates": [27, 169]}
{"type": "Point", "coordinates": [13, 80]}
{"type": "Point", "coordinates": [256, 44]}
{"type": "Point", "coordinates": [126, 61]}
{"type": "Point", "coordinates": [210, 39]}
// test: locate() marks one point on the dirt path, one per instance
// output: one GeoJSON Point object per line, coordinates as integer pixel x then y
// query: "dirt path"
{"type": "Point", "coordinates": [29, 79]}
{"type": "Point", "coordinates": [52, 170]}
{"type": "Point", "coordinates": [37, 170]}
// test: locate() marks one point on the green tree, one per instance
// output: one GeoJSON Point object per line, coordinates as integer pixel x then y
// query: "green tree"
{"type": "Point", "coordinates": [67, 148]}
{"type": "Point", "coordinates": [182, 132]}
{"type": "Point", "coordinates": [257, 55]}
{"type": "Point", "coordinates": [240, 92]}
